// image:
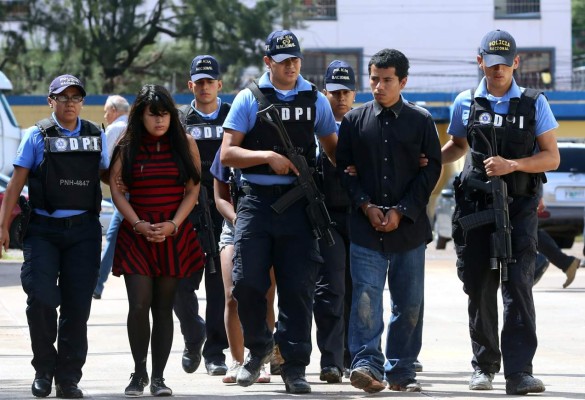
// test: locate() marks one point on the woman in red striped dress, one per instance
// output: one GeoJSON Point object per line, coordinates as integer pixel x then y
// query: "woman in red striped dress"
{"type": "Point", "coordinates": [157, 244]}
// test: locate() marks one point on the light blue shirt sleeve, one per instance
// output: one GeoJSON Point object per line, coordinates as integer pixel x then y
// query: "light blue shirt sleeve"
{"type": "Point", "coordinates": [459, 115]}
{"type": "Point", "coordinates": [242, 114]}
{"type": "Point", "coordinates": [545, 119]}
{"type": "Point", "coordinates": [324, 120]}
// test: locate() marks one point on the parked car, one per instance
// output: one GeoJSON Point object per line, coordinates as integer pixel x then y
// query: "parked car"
{"type": "Point", "coordinates": [105, 214]}
{"type": "Point", "coordinates": [563, 195]}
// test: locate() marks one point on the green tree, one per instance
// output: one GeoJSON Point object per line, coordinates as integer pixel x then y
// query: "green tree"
{"type": "Point", "coordinates": [578, 19]}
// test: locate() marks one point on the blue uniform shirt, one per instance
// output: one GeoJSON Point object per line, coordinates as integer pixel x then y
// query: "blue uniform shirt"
{"type": "Point", "coordinates": [242, 118]}
{"type": "Point", "coordinates": [30, 153]}
{"type": "Point", "coordinates": [545, 120]}
{"type": "Point", "coordinates": [211, 116]}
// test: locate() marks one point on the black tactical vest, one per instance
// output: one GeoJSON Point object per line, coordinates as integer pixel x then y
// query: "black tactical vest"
{"type": "Point", "coordinates": [208, 134]}
{"type": "Point", "coordinates": [336, 196]}
{"type": "Point", "coordinates": [68, 176]}
{"type": "Point", "coordinates": [511, 136]}
{"type": "Point", "coordinates": [298, 117]}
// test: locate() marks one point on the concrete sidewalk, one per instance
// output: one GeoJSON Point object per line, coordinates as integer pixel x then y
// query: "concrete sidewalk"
{"type": "Point", "coordinates": [446, 353]}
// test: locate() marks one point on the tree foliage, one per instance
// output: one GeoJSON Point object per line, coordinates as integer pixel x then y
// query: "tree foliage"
{"type": "Point", "coordinates": [578, 19]}
{"type": "Point", "coordinates": [117, 45]}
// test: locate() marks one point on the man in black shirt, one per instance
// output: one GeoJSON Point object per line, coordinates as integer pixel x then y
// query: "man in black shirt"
{"type": "Point", "coordinates": [389, 227]}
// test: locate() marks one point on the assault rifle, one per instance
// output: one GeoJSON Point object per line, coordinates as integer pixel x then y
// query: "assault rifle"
{"type": "Point", "coordinates": [498, 214]}
{"type": "Point", "coordinates": [305, 184]}
{"type": "Point", "coordinates": [25, 212]}
{"type": "Point", "coordinates": [201, 218]}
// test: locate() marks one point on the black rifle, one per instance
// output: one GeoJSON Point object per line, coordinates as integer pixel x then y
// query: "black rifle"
{"type": "Point", "coordinates": [305, 184]}
{"type": "Point", "coordinates": [25, 211]}
{"type": "Point", "coordinates": [201, 218]}
{"type": "Point", "coordinates": [498, 214]}
{"type": "Point", "coordinates": [234, 189]}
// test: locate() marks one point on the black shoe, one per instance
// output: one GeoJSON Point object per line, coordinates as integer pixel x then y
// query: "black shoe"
{"type": "Point", "coordinates": [330, 375]}
{"type": "Point", "coordinates": [137, 384]}
{"type": "Point", "coordinates": [523, 383]}
{"type": "Point", "coordinates": [41, 386]}
{"type": "Point", "coordinates": [250, 371]}
{"type": "Point", "coordinates": [191, 359]}
{"type": "Point", "coordinates": [96, 295]}
{"type": "Point", "coordinates": [68, 390]}
{"type": "Point", "coordinates": [296, 384]}
{"type": "Point", "coordinates": [158, 388]}
{"type": "Point", "coordinates": [418, 367]}
{"type": "Point", "coordinates": [215, 368]}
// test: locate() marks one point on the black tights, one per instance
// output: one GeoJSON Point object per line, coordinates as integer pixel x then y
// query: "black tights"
{"type": "Point", "coordinates": [157, 295]}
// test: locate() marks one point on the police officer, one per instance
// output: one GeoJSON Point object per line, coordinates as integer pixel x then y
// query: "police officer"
{"type": "Point", "coordinates": [61, 156]}
{"type": "Point", "coordinates": [333, 293]}
{"type": "Point", "coordinates": [518, 125]}
{"type": "Point", "coordinates": [203, 119]}
{"type": "Point", "coordinates": [264, 238]}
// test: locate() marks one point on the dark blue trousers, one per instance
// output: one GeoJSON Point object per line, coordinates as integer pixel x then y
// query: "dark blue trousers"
{"type": "Point", "coordinates": [518, 342]}
{"type": "Point", "coordinates": [329, 304]}
{"type": "Point", "coordinates": [60, 270]}
{"type": "Point", "coordinates": [265, 239]}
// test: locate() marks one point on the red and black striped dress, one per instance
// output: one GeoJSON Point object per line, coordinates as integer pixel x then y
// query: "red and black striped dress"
{"type": "Point", "coordinates": [155, 196]}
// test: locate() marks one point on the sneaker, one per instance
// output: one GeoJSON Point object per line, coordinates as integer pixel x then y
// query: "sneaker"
{"type": "Point", "coordinates": [264, 376]}
{"type": "Point", "coordinates": [418, 367]}
{"type": "Point", "coordinates": [481, 380]}
{"type": "Point", "coordinates": [410, 385]}
{"type": "Point", "coordinates": [158, 388]}
{"type": "Point", "coordinates": [276, 361]}
{"type": "Point", "coordinates": [137, 384]}
{"type": "Point", "coordinates": [362, 378]}
{"type": "Point", "coordinates": [250, 371]}
{"type": "Point", "coordinates": [523, 383]}
{"type": "Point", "coordinates": [230, 376]}
{"type": "Point", "coordinates": [96, 295]}
{"type": "Point", "coordinates": [571, 272]}
{"type": "Point", "coordinates": [330, 375]}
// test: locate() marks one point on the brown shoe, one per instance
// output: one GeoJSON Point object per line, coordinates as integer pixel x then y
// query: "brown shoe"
{"type": "Point", "coordinates": [362, 378]}
{"type": "Point", "coordinates": [571, 272]}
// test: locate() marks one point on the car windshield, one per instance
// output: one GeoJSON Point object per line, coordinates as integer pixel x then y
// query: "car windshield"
{"type": "Point", "coordinates": [572, 160]}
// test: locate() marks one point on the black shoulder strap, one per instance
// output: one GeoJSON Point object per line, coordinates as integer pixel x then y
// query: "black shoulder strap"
{"type": "Point", "coordinates": [89, 128]}
{"type": "Point", "coordinates": [260, 98]}
{"type": "Point", "coordinates": [48, 127]}
{"type": "Point", "coordinates": [528, 100]}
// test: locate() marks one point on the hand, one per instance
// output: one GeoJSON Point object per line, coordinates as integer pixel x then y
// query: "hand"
{"type": "Point", "coordinates": [423, 161]}
{"type": "Point", "coordinates": [391, 220]}
{"type": "Point", "coordinates": [152, 232]}
{"type": "Point", "coordinates": [498, 166]}
{"type": "Point", "coordinates": [161, 231]}
{"type": "Point", "coordinates": [281, 165]}
{"type": "Point", "coordinates": [350, 170]}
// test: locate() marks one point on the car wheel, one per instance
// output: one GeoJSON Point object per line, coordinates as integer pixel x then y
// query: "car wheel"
{"type": "Point", "coordinates": [15, 242]}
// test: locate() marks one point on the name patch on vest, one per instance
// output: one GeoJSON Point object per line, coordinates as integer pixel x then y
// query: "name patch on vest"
{"type": "Point", "coordinates": [486, 118]}
{"type": "Point", "coordinates": [297, 114]}
{"type": "Point", "coordinates": [205, 132]}
{"type": "Point", "coordinates": [73, 144]}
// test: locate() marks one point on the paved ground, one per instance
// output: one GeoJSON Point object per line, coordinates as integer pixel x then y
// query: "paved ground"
{"type": "Point", "coordinates": [559, 362]}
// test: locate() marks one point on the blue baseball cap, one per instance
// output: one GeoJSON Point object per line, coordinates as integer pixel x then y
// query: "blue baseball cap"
{"type": "Point", "coordinates": [62, 82]}
{"type": "Point", "coordinates": [498, 47]}
{"type": "Point", "coordinates": [339, 76]}
{"type": "Point", "coordinates": [281, 45]}
{"type": "Point", "coordinates": [204, 66]}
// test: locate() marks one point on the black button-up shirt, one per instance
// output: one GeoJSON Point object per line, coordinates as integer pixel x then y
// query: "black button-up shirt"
{"type": "Point", "coordinates": [385, 146]}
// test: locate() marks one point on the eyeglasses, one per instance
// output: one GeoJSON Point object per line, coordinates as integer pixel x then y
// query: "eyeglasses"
{"type": "Point", "coordinates": [61, 98]}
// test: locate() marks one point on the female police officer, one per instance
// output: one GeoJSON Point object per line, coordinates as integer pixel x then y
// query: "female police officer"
{"type": "Point", "coordinates": [61, 156]}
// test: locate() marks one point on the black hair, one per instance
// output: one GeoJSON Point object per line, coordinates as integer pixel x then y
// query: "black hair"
{"type": "Point", "coordinates": [390, 58]}
{"type": "Point", "coordinates": [158, 100]}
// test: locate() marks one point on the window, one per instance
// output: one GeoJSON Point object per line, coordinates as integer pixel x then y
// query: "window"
{"type": "Point", "coordinates": [516, 9]}
{"type": "Point", "coordinates": [315, 62]}
{"type": "Point", "coordinates": [536, 69]}
{"type": "Point", "coordinates": [318, 9]}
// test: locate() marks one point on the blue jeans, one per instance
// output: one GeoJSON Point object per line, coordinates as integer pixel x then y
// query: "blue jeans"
{"type": "Point", "coordinates": [108, 252]}
{"type": "Point", "coordinates": [405, 275]}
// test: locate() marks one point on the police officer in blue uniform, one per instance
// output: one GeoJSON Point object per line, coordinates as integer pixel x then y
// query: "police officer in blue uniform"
{"type": "Point", "coordinates": [264, 238]}
{"type": "Point", "coordinates": [203, 119]}
{"type": "Point", "coordinates": [62, 157]}
{"type": "Point", "coordinates": [519, 125]}
{"type": "Point", "coordinates": [333, 293]}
